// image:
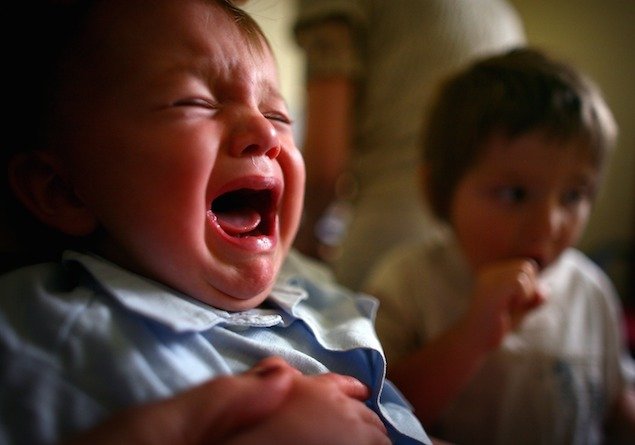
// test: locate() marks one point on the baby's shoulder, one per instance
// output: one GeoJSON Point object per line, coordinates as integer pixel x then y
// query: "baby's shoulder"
{"type": "Point", "coordinates": [37, 302]}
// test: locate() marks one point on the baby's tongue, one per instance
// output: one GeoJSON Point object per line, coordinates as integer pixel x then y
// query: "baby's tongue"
{"type": "Point", "coordinates": [238, 222]}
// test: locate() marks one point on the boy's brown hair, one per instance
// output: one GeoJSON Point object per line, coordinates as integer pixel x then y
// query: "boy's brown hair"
{"type": "Point", "coordinates": [510, 94]}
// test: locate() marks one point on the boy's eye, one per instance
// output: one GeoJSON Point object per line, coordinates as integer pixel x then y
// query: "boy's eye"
{"type": "Point", "coordinates": [575, 196]}
{"type": "Point", "coordinates": [512, 194]}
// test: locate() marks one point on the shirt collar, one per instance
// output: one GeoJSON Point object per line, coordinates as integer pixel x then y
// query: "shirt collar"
{"type": "Point", "coordinates": [175, 310]}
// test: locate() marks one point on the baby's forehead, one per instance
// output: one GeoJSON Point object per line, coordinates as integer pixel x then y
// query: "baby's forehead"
{"type": "Point", "coordinates": [187, 35]}
{"type": "Point", "coordinates": [134, 22]}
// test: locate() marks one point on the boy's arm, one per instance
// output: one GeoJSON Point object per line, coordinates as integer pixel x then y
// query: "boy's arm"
{"type": "Point", "coordinates": [435, 374]}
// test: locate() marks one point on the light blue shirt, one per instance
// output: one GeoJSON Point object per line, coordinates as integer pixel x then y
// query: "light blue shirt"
{"type": "Point", "coordinates": [82, 339]}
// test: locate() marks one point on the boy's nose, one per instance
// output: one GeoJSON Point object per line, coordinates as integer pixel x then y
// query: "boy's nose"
{"type": "Point", "coordinates": [547, 222]}
{"type": "Point", "coordinates": [255, 135]}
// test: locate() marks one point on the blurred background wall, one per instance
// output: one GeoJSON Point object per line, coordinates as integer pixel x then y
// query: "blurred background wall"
{"type": "Point", "coordinates": [596, 35]}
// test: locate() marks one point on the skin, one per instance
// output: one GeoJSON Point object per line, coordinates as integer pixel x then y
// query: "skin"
{"type": "Point", "coordinates": [323, 409]}
{"type": "Point", "coordinates": [529, 198]}
{"type": "Point", "coordinates": [166, 110]}
{"type": "Point", "coordinates": [514, 212]}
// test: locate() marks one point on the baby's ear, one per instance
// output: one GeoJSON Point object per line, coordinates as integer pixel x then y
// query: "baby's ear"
{"type": "Point", "coordinates": [39, 182]}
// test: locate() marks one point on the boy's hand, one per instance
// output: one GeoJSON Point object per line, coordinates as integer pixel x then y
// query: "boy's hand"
{"type": "Point", "coordinates": [504, 293]}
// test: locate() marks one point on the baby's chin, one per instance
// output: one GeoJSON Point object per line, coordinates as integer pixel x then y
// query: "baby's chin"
{"type": "Point", "coordinates": [229, 283]}
{"type": "Point", "coordinates": [232, 304]}
{"type": "Point", "coordinates": [235, 298]}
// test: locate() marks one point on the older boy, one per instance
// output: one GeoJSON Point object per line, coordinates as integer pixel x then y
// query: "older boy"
{"type": "Point", "coordinates": [501, 332]}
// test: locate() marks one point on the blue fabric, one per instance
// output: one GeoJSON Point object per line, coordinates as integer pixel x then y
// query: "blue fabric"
{"type": "Point", "coordinates": [81, 339]}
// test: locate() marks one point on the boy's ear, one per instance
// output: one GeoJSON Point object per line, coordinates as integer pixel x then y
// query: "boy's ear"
{"type": "Point", "coordinates": [38, 181]}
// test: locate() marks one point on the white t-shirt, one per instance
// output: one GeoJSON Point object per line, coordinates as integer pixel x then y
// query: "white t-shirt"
{"type": "Point", "coordinates": [552, 381]}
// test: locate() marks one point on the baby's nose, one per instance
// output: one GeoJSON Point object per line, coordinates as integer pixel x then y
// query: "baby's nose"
{"type": "Point", "coordinates": [255, 136]}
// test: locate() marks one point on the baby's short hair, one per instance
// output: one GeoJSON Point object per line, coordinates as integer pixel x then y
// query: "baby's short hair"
{"type": "Point", "coordinates": [510, 94]}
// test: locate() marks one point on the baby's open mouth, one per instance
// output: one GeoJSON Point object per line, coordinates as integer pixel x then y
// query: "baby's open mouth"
{"type": "Point", "coordinates": [245, 212]}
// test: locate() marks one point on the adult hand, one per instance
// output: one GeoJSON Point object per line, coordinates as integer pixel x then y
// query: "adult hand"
{"type": "Point", "coordinates": [322, 409]}
{"type": "Point", "coordinates": [209, 413]}
{"type": "Point", "coordinates": [272, 404]}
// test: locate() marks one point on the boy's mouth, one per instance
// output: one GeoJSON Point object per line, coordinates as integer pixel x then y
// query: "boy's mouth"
{"type": "Point", "coordinates": [246, 212]}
